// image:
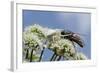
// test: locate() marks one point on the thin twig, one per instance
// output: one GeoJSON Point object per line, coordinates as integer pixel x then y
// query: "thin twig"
{"type": "Point", "coordinates": [31, 56]}
{"type": "Point", "coordinates": [41, 54]}
{"type": "Point", "coordinates": [52, 57]}
{"type": "Point", "coordinates": [55, 58]}
{"type": "Point", "coordinates": [27, 52]}
{"type": "Point", "coordinates": [59, 58]}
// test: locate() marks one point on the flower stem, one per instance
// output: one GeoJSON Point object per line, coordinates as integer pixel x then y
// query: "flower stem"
{"type": "Point", "coordinates": [41, 54]}
{"type": "Point", "coordinates": [27, 52]}
{"type": "Point", "coordinates": [52, 57]}
{"type": "Point", "coordinates": [59, 58]}
{"type": "Point", "coordinates": [31, 56]}
{"type": "Point", "coordinates": [55, 58]}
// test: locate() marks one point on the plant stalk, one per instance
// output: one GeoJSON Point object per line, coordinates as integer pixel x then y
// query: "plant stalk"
{"type": "Point", "coordinates": [27, 52]}
{"type": "Point", "coordinates": [59, 58]}
{"type": "Point", "coordinates": [55, 58]}
{"type": "Point", "coordinates": [31, 56]}
{"type": "Point", "coordinates": [52, 57]}
{"type": "Point", "coordinates": [41, 54]}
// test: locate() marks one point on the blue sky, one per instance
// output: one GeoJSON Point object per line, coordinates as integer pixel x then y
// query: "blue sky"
{"type": "Point", "coordinates": [73, 21]}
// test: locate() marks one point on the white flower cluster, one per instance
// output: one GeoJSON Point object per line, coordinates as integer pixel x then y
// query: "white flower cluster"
{"type": "Point", "coordinates": [39, 30]}
{"type": "Point", "coordinates": [33, 35]}
{"type": "Point", "coordinates": [80, 56]}
{"type": "Point", "coordinates": [36, 30]}
{"type": "Point", "coordinates": [29, 40]}
{"type": "Point", "coordinates": [38, 35]}
{"type": "Point", "coordinates": [62, 46]}
{"type": "Point", "coordinates": [75, 56]}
